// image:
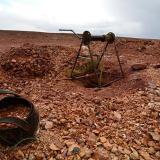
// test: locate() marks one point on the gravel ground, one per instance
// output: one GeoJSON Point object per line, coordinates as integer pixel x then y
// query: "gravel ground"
{"type": "Point", "coordinates": [119, 122]}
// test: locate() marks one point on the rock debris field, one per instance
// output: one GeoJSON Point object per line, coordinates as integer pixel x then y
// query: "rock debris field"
{"type": "Point", "coordinates": [118, 122]}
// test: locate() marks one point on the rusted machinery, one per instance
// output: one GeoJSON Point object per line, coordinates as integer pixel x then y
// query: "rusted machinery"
{"type": "Point", "coordinates": [19, 119]}
{"type": "Point", "coordinates": [86, 39]}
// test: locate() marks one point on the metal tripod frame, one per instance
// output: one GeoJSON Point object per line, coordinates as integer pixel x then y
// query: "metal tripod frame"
{"type": "Point", "coordinates": [95, 67]}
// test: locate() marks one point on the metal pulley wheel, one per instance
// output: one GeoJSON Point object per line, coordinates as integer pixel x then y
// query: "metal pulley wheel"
{"type": "Point", "coordinates": [13, 128]}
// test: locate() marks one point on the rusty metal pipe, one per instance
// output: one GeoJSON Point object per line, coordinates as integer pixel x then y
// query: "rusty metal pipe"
{"type": "Point", "coordinates": [98, 38]}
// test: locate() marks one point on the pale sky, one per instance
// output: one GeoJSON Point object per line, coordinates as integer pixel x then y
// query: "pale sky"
{"type": "Point", "coordinates": [132, 18]}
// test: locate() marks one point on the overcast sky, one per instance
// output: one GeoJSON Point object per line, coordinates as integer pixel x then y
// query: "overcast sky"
{"type": "Point", "coordinates": [136, 18]}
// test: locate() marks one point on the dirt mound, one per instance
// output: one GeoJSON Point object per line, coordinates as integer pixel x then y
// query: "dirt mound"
{"type": "Point", "coordinates": [27, 61]}
{"type": "Point", "coordinates": [32, 61]}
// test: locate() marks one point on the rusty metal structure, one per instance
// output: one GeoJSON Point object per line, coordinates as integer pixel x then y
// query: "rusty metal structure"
{"type": "Point", "coordinates": [18, 130]}
{"type": "Point", "coordinates": [86, 38]}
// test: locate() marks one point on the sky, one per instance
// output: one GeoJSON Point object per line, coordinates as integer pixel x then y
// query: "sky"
{"type": "Point", "coordinates": [129, 18]}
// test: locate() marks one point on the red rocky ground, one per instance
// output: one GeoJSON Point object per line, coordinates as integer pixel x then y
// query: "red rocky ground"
{"type": "Point", "coordinates": [119, 122]}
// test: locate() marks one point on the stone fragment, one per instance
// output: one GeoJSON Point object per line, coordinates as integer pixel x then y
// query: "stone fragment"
{"type": "Point", "coordinates": [49, 125]}
{"type": "Point", "coordinates": [101, 154]}
{"type": "Point", "coordinates": [53, 147]}
{"type": "Point", "coordinates": [126, 151]}
{"type": "Point", "coordinates": [103, 139]}
{"type": "Point", "coordinates": [96, 132]}
{"type": "Point", "coordinates": [31, 157]}
{"type": "Point", "coordinates": [158, 154]}
{"type": "Point", "coordinates": [98, 144]}
{"type": "Point", "coordinates": [117, 116]}
{"type": "Point", "coordinates": [86, 152]}
{"type": "Point", "coordinates": [134, 155]}
{"type": "Point", "coordinates": [155, 136]}
{"type": "Point", "coordinates": [107, 145]}
{"type": "Point", "coordinates": [19, 155]}
{"type": "Point", "coordinates": [137, 67]}
{"type": "Point", "coordinates": [151, 150]}
{"type": "Point", "coordinates": [145, 155]}
{"type": "Point", "coordinates": [92, 138]}
{"type": "Point", "coordinates": [97, 100]}
{"type": "Point", "coordinates": [151, 143]}
{"type": "Point", "coordinates": [76, 150]}
{"type": "Point", "coordinates": [13, 61]}
{"type": "Point", "coordinates": [69, 142]}
{"type": "Point", "coordinates": [73, 149]}
{"type": "Point", "coordinates": [114, 149]}
{"type": "Point", "coordinates": [126, 157]}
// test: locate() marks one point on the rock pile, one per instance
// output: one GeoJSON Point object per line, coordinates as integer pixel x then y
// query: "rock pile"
{"type": "Point", "coordinates": [34, 61]}
{"type": "Point", "coordinates": [27, 61]}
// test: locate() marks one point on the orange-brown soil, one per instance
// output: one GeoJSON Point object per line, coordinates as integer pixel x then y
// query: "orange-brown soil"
{"type": "Point", "coordinates": [118, 122]}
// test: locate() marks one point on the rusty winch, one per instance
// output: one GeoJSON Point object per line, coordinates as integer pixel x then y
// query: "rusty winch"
{"type": "Point", "coordinates": [86, 38]}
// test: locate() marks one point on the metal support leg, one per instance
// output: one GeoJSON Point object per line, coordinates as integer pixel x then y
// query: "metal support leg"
{"type": "Point", "coordinates": [91, 56]}
{"type": "Point", "coordinates": [117, 54]}
{"type": "Point", "coordinates": [105, 48]}
{"type": "Point", "coordinates": [93, 65]}
{"type": "Point", "coordinates": [78, 53]}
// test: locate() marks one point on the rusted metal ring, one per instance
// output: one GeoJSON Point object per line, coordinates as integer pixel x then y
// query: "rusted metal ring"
{"type": "Point", "coordinates": [24, 128]}
{"type": "Point", "coordinates": [110, 37]}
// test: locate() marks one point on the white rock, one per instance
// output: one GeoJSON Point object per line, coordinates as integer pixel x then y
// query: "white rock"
{"type": "Point", "coordinates": [117, 116]}
{"type": "Point", "coordinates": [49, 125]}
{"type": "Point", "coordinates": [13, 60]}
